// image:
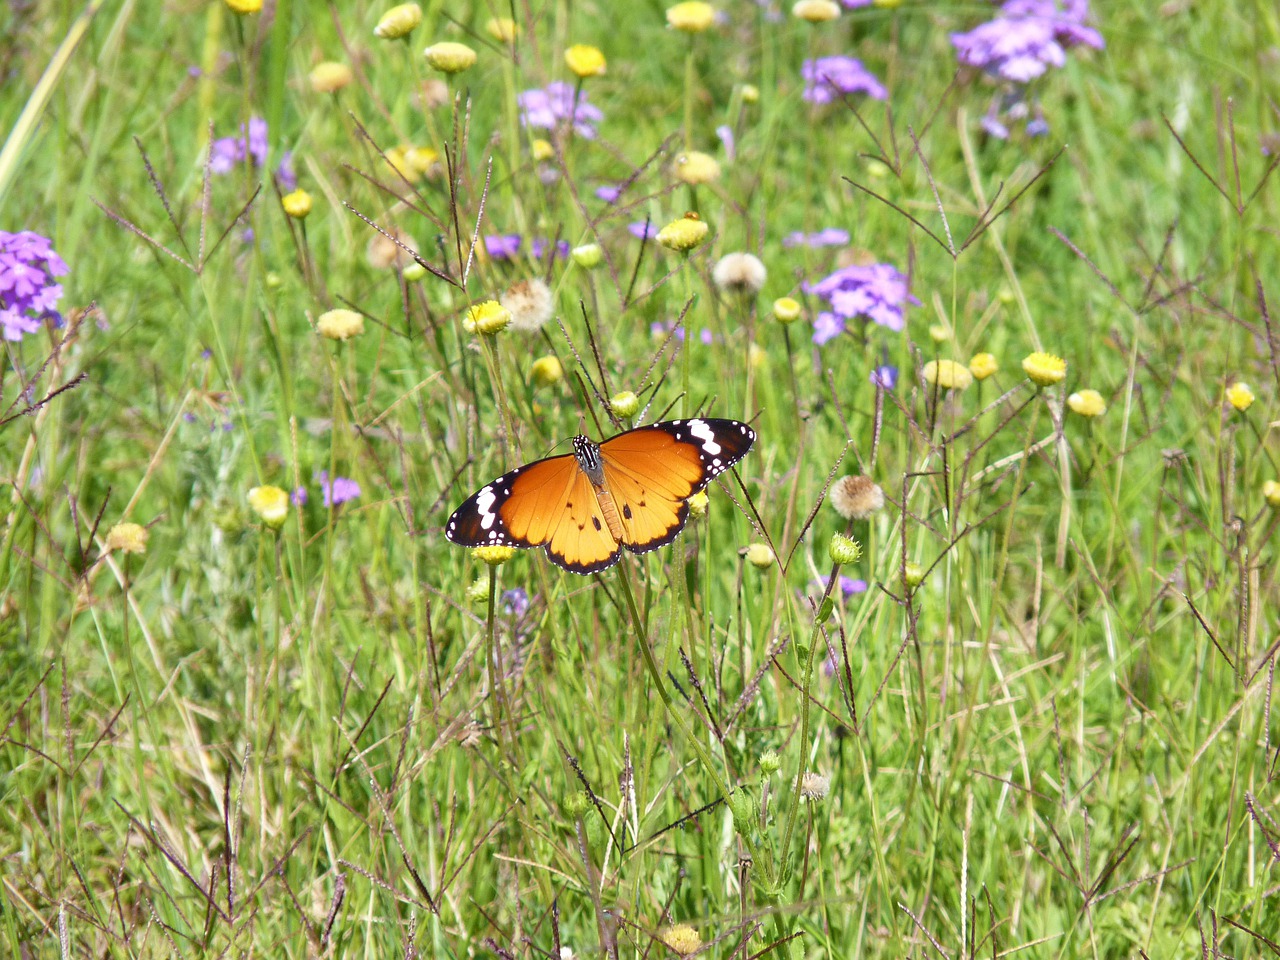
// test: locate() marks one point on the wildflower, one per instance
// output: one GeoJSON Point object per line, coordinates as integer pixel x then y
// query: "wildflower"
{"type": "Point", "coordinates": [493, 555]}
{"type": "Point", "coordinates": [876, 291]}
{"type": "Point", "coordinates": [547, 371]}
{"type": "Point", "coordinates": [759, 555]}
{"type": "Point", "coordinates": [1026, 38]}
{"type": "Point", "coordinates": [486, 318]}
{"type": "Point", "coordinates": [478, 591]}
{"type": "Point", "coordinates": [502, 246]}
{"type": "Point", "coordinates": [816, 11]}
{"type": "Point", "coordinates": [786, 310]}
{"type": "Point", "coordinates": [296, 204]}
{"type": "Point", "coordinates": [502, 29]}
{"type": "Point", "coordinates": [529, 303]}
{"type": "Point", "coordinates": [515, 602]}
{"type": "Point", "coordinates": [541, 149]}
{"type": "Point", "coordinates": [770, 763]}
{"type": "Point", "coordinates": [683, 234]}
{"type": "Point", "coordinates": [750, 93]}
{"type": "Point", "coordinates": [828, 237]}
{"type": "Point", "coordinates": [587, 256]}
{"type": "Point", "coordinates": [939, 332]}
{"type": "Point", "coordinates": [329, 76]}
{"type": "Point", "coordinates": [948, 374]}
{"type": "Point", "coordinates": [271, 504]}
{"type": "Point", "coordinates": [983, 365]}
{"type": "Point", "coordinates": [340, 324]}
{"type": "Point", "coordinates": [340, 491]}
{"type": "Point", "coordinates": [1087, 403]}
{"type": "Point", "coordinates": [643, 230]}
{"type": "Point", "coordinates": [739, 273]}
{"type": "Point", "coordinates": [399, 21]}
{"type": "Point", "coordinates": [127, 538]}
{"type": "Point", "coordinates": [698, 505]}
{"type": "Point", "coordinates": [243, 7]}
{"type": "Point", "coordinates": [625, 404]}
{"type": "Point", "coordinates": [540, 247]}
{"type": "Point", "coordinates": [827, 78]}
{"type": "Point", "coordinates": [227, 153]}
{"type": "Point", "coordinates": [691, 17]}
{"type": "Point", "coordinates": [585, 60]}
{"type": "Point", "coordinates": [449, 57]}
{"type": "Point", "coordinates": [844, 549]}
{"type": "Point", "coordinates": [857, 497]}
{"type": "Point", "coordinates": [1240, 396]}
{"type": "Point", "coordinates": [756, 356]}
{"type": "Point", "coordinates": [682, 939]}
{"type": "Point", "coordinates": [28, 293]}
{"type": "Point", "coordinates": [556, 106]}
{"type": "Point", "coordinates": [912, 575]}
{"type": "Point", "coordinates": [299, 497]}
{"type": "Point", "coordinates": [1044, 369]}
{"type": "Point", "coordinates": [695, 168]}
{"type": "Point", "coordinates": [885, 375]}
{"type": "Point", "coordinates": [724, 133]}
{"type": "Point", "coordinates": [1271, 493]}
{"type": "Point", "coordinates": [814, 786]}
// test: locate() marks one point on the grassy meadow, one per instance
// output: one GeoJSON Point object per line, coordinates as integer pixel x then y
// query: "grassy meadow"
{"type": "Point", "coordinates": [1033, 718]}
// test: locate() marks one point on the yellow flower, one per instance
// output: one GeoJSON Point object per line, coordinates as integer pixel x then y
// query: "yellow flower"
{"type": "Point", "coordinates": [844, 550]}
{"type": "Point", "coordinates": [948, 374]}
{"type": "Point", "coordinates": [1044, 369]}
{"type": "Point", "coordinates": [698, 505]}
{"type": "Point", "coordinates": [399, 21]}
{"type": "Point", "coordinates": [271, 504]}
{"type": "Point", "coordinates": [786, 310]}
{"type": "Point", "coordinates": [756, 356]}
{"type": "Point", "coordinates": [244, 6]}
{"type": "Point", "coordinates": [587, 256]}
{"type": "Point", "coordinates": [939, 333]}
{"type": "Point", "coordinates": [486, 318]}
{"type": "Point", "coordinates": [127, 538]}
{"type": "Point", "coordinates": [296, 204]}
{"type": "Point", "coordinates": [691, 17]}
{"type": "Point", "coordinates": [983, 365]}
{"type": "Point", "coordinates": [585, 60]}
{"type": "Point", "coordinates": [682, 939]}
{"type": "Point", "coordinates": [422, 160]}
{"type": "Point", "coordinates": [449, 57]}
{"type": "Point", "coordinates": [502, 29]}
{"type": "Point", "coordinates": [1240, 396]}
{"type": "Point", "coordinates": [750, 93]}
{"type": "Point", "coordinates": [696, 167]}
{"type": "Point", "coordinates": [398, 160]}
{"type": "Point", "coordinates": [340, 324]}
{"type": "Point", "coordinates": [816, 11]}
{"type": "Point", "coordinates": [493, 555]}
{"type": "Point", "coordinates": [759, 556]}
{"type": "Point", "coordinates": [478, 591]}
{"type": "Point", "coordinates": [683, 234]}
{"type": "Point", "coordinates": [625, 404]}
{"type": "Point", "coordinates": [542, 149]}
{"type": "Point", "coordinates": [1271, 492]}
{"type": "Point", "coordinates": [1087, 403]}
{"type": "Point", "coordinates": [329, 77]}
{"type": "Point", "coordinates": [547, 371]}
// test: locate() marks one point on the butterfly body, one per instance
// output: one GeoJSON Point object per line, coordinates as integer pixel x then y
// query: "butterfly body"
{"type": "Point", "coordinates": [585, 507]}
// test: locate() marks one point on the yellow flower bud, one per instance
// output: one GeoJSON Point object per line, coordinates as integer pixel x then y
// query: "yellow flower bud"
{"type": "Point", "coordinates": [585, 60]}
{"type": "Point", "coordinates": [493, 555]}
{"type": "Point", "coordinates": [1044, 369]}
{"type": "Point", "coordinates": [983, 365]}
{"type": "Point", "coordinates": [329, 77]}
{"type": "Point", "coordinates": [340, 324]}
{"type": "Point", "coordinates": [587, 256]}
{"type": "Point", "coordinates": [816, 11]}
{"type": "Point", "coordinates": [682, 939]}
{"type": "Point", "coordinates": [399, 21]}
{"type": "Point", "coordinates": [296, 204]}
{"type": "Point", "coordinates": [1087, 403]}
{"type": "Point", "coordinates": [1240, 396]}
{"type": "Point", "coordinates": [547, 371]}
{"type": "Point", "coordinates": [912, 575]}
{"type": "Point", "coordinates": [486, 318]}
{"type": "Point", "coordinates": [683, 234]}
{"type": "Point", "coordinates": [625, 404]}
{"type": "Point", "coordinates": [127, 538]}
{"type": "Point", "coordinates": [939, 332]}
{"type": "Point", "coordinates": [542, 150]}
{"type": "Point", "coordinates": [244, 6]}
{"type": "Point", "coordinates": [691, 17]}
{"type": "Point", "coordinates": [449, 57]}
{"type": "Point", "coordinates": [1271, 493]}
{"type": "Point", "coordinates": [844, 550]}
{"type": "Point", "coordinates": [750, 93]}
{"type": "Point", "coordinates": [698, 505]}
{"type": "Point", "coordinates": [414, 272]}
{"type": "Point", "coordinates": [786, 310]}
{"type": "Point", "coordinates": [502, 29]}
{"type": "Point", "coordinates": [696, 167]}
{"type": "Point", "coordinates": [759, 555]}
{"type": "Point", "coordinates": [948, 374]}
{"type": "Point", "coordinates": [271, 504]}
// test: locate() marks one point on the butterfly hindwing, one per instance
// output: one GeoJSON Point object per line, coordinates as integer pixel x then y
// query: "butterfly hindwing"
{"type": "Point", "coordinates": [580, 541]}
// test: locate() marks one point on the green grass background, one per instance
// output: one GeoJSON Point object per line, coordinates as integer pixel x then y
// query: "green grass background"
{"type": "Point", "coordinates": [1060, 744]}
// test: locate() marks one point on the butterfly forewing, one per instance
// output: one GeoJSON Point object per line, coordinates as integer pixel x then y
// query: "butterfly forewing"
{"type": "Point", "coordinates": [580, 542]}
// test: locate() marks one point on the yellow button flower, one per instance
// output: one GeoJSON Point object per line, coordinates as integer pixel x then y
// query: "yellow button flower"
{"type": "Point", "coordinates": [696, 168]}
{"type": "Point", "coordinates": [1087, 403]}
{"type": "Point", "coordinates": [1271, 493]}
{"type": "Point", "coordinates": [127, 538]}
{"type": "Point", "coordinates": [750, 93]}
{"type": "Point", "coordinates": [759, 556]}
{"type": "Point", "coordinates": [682, 938]}
{"type": "Point", "coordinates": [449, 57]}
{"type": "Point", "coordinates": [948, 374]}
{"type": "Point", "coordinates": [1044, 369]}
{"type": "Point", "coordinates": [493, 555]}
{"type": "Point", "coordinates": [296, 204]}
{"type": "Point", "coordinates": [486, 318]}
{"type": "Point", "coordinates": [587, 256]}
{"type": "Point", "coordinates": [502, 29]}
{"type": "Point", "coordinates": [271, 504]}
{"type": "Point", "coordinates": [692, 17]}
{"type": "Point", "coordinates": [547, 371]}
{"type": "Point", "coordinates": [542, 149]}
{"type": "Point", "coordinates": [330, 76]}
{"type": "Point", "coordinates": [983, 365]}
{"type": "Point", "coordinates": [786, 310]}
{"type": "Point", "coordinates": [625, 404]}
{"type": "Point", "coordinates": [340, 324]}
{"type": "Point", "coordinates": [244, 6]}
{"type": "Point", "coordinates": [939, 332]}
{"type": "Point", "coordinates": [1240, 396]}
{"type": "Point", "coordinates": [816, 11]}
{"type": "Point", "coordinates": [683, 234]}
{"type": "Point", "coordinates": [698, 504]}
{"type": "Point", "coordinates": [399, 21]}
{"type": "Point", "coordinates": [585, 60]}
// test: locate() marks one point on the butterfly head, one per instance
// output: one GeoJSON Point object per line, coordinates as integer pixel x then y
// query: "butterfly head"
{"type": "Point", "coordinates": [587, 454]}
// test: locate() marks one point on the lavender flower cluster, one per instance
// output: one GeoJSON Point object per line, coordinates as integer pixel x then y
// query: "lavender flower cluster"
{"type": "Point", "coordinates": [1027, 38]}
{"type": "Point", "coordinates": [559, 105]}
{"type": "Point", "coordinates": [876, 291]}
{"type": "Point", "coordinates": [28, 291]}
{"type": "Point", "coordinates": [505, 246]}
{"type": "Point", "coordinates": [829, 78]}
{"type": "Point", "coordinates": [227, 153]}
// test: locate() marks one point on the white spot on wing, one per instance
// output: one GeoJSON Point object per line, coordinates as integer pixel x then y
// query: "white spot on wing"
{"type": "Point", "coordinates": [702, 430]}
{"type": "Point", "coordinates": [484, 506]}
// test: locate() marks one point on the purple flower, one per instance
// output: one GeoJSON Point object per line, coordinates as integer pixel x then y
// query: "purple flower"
{"type": "Point", "coordinates": [826, 78]}
{"type": "Point", "coordinates": [226, 153]}
{"type": "Point", "coordinates": [876, 291]}
{"type": "Point", "coordinates": [827, 237]}
{"type": "Point", "coordinates": [285, 174]}
{"type": "Point", "coordinates": [28, 292]}
{"type": "Point", "coordinates": [502, 246]}
{"type": "Point", "coordinates": [608, 193]}
{"type": "Point", "coordinates": [299, 497]}
{"type": "Point", "coordinates": [556, 106]}
{"type": "Point", "coordinates": [1027, 38]}
{"type": "Point", "coordinates": [994, 128]}
{"type": "Point", "coordinates": [340, 491]}
{"type": "Point", "coordinates": [848, 586]}
{"type": "Point", "coordinates": [885, 376]}
{"type": "Point", "coordinates": [642, 230]}
{"type": "Point", "coordinates": [854, 4]}
{"type": "Point", "coordinates": [539, 248]}
{"type": "Point", "coordinates": [515, 601]}
{"type": "Point", "coordinates": [725, 133]}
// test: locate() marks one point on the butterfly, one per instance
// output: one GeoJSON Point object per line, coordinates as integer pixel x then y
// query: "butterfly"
{"type": "Point", "coordinates": [584, 507]}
